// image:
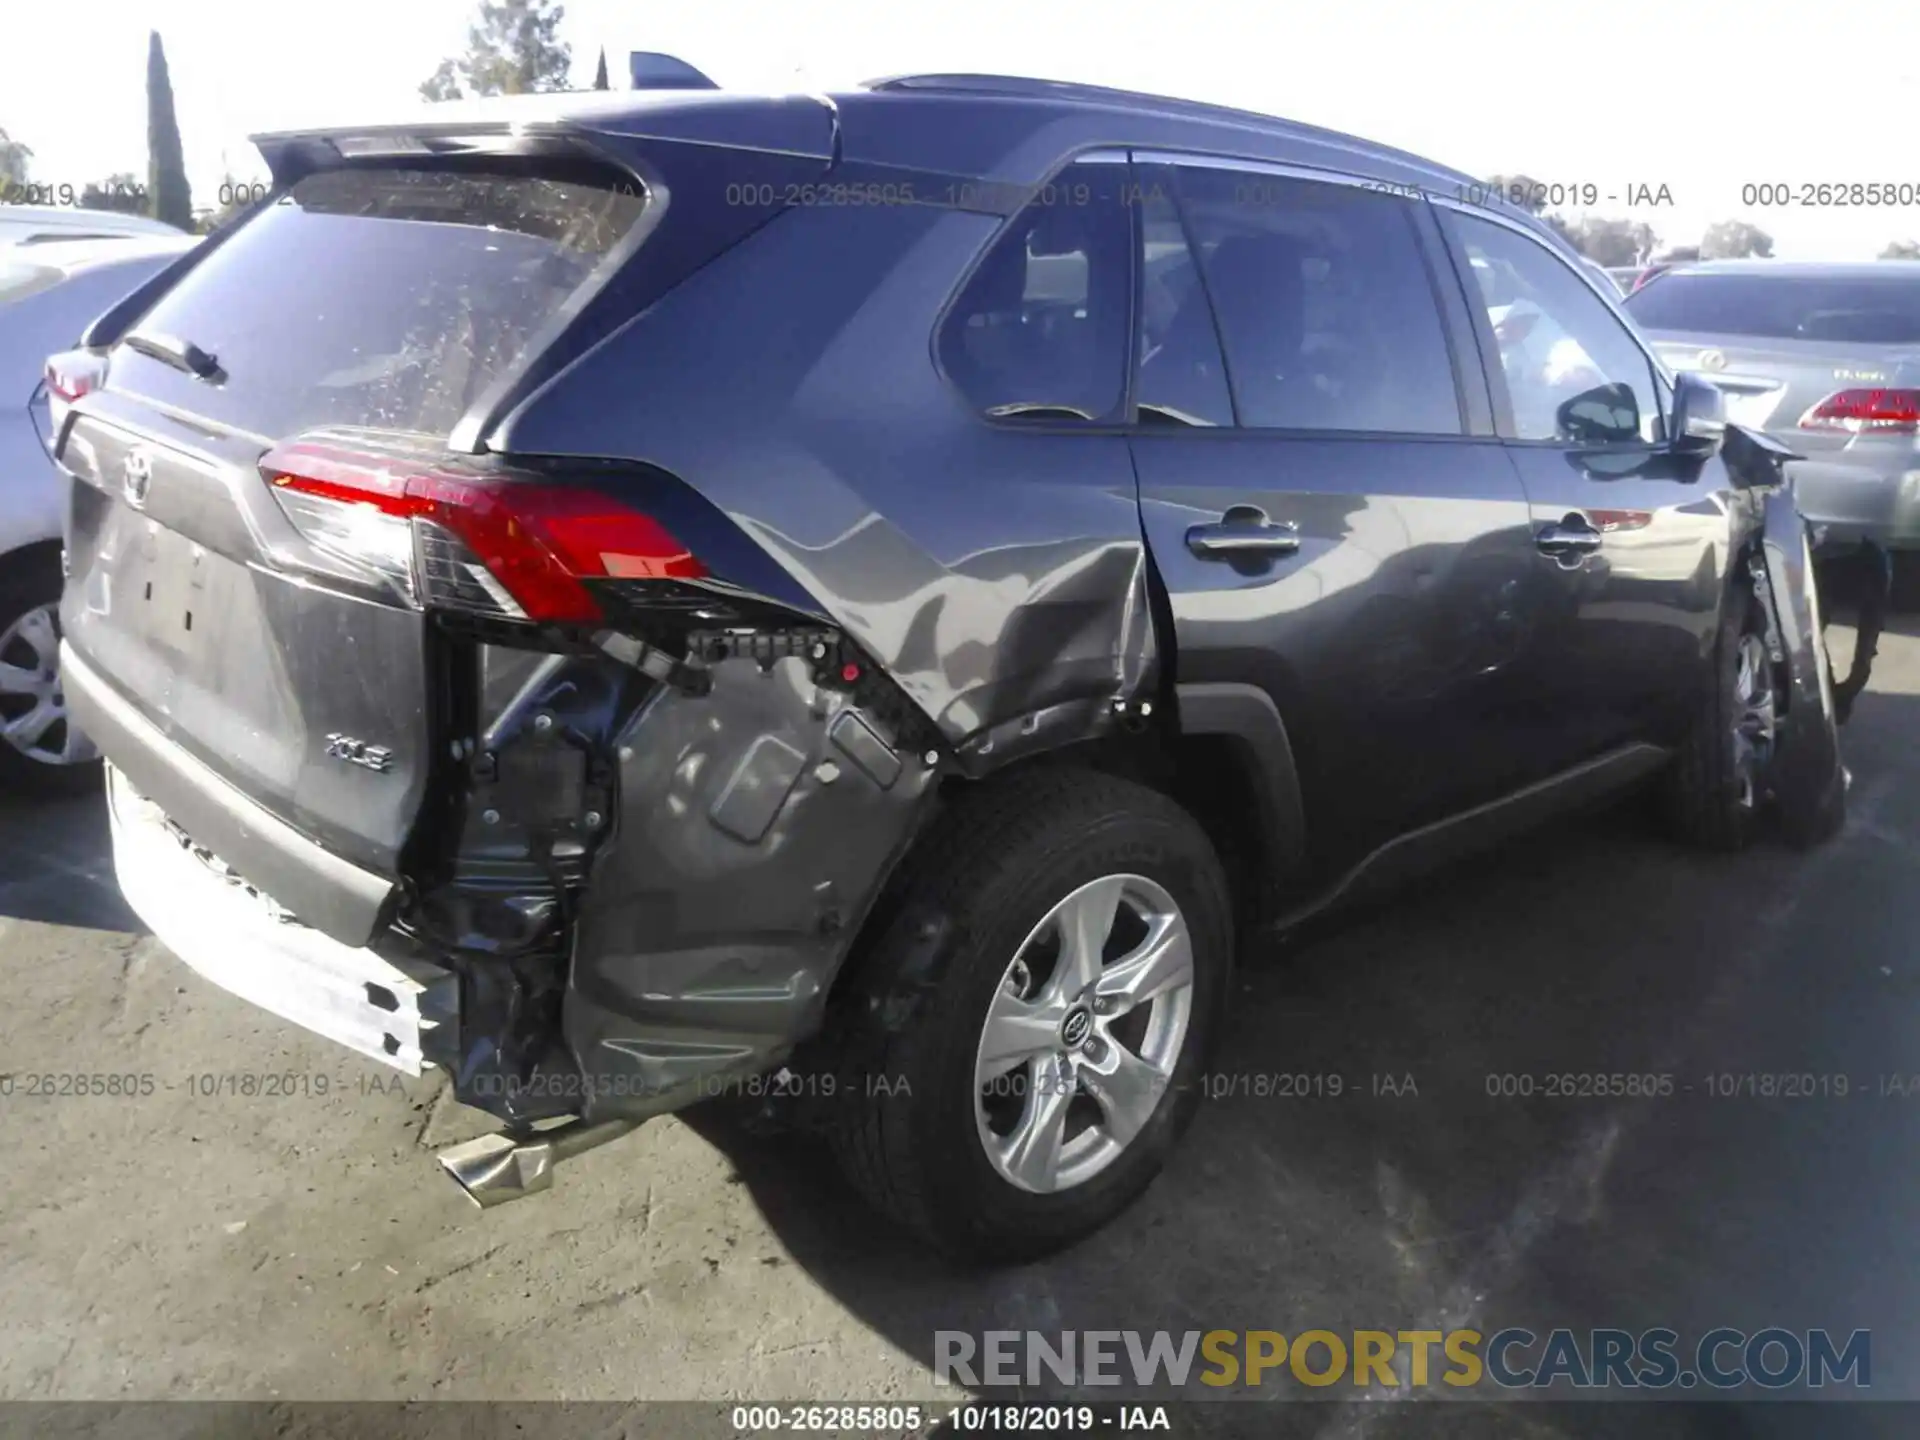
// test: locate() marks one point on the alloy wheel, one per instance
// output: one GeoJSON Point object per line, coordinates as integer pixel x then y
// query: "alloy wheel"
{"type": "Point", "coordinates": [33, 707]}
{"type": "Point", "coordinates": [1083, 1034]}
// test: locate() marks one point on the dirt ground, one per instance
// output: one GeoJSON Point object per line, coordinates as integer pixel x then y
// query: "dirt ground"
{"type": "Point", "coordinates": [188, 1240]}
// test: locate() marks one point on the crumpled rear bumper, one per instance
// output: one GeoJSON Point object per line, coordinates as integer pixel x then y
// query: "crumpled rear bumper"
{"type": "Point", "coordinates": [241, 940]}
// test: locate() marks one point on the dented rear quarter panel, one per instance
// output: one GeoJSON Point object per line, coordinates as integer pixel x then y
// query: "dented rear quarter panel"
{"type": "Point", "coordinates": [997, 575]}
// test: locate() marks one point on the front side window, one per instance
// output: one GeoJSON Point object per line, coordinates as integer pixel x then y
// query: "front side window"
{"type": "Point", "coordinates": [1573, 372]}
{"type": "Point", "coordinates": [1039, 332]}
{"type": "Point", "coordinates": [1324, 303]}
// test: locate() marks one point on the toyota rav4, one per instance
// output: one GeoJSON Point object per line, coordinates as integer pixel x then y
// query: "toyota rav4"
{"type": "Point", "coordinates": [617, 595]}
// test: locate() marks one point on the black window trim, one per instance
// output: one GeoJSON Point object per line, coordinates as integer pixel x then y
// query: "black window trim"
{"type": "Point", "coordinates": [1444, 210]}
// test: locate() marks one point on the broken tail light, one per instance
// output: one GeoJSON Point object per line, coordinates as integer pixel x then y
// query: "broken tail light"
{"type": "Point", "coordinates": [1866, 411]}
{"type": "Point", "coordinates": [512, 548]}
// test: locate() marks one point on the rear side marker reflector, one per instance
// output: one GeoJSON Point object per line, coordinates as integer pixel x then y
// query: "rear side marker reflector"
{"type": "Point", "coordinates": [513, 548]}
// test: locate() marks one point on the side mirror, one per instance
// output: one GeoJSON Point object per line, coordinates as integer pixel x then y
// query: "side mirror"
{"type": "Point", "coordinates": [1604, 415]}
{"type": "Point", "coordinates": [1699, 416]}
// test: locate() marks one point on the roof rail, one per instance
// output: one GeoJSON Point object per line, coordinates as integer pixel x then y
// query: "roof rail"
{"type": "Point", "coordinates": [1063, 90]}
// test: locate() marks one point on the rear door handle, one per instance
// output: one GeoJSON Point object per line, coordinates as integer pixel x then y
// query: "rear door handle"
{"type": "Point", "coordinates": [1567, 541]}
{"type": "Point", "coordinates": [1243, 530]}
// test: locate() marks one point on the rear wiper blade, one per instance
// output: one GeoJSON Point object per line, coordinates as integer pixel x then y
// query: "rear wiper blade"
{"type": "Point", "coordinates": [172, 350]}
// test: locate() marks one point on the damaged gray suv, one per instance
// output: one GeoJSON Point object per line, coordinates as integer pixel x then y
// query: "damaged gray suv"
{"type": "Point", "coordinates": [616, 596]}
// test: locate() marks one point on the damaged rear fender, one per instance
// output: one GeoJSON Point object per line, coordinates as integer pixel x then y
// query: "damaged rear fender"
{"type": "Point", "coordinates": [754, 829]}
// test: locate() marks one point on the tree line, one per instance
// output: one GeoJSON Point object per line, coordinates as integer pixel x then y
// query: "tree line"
{"type": "Point", "coordinates": [514, 48]}
{"type": "Point", "coordinates": [1616, 243]}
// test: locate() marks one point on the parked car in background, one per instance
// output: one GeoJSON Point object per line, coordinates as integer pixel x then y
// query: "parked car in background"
{"type": "Point", "coordinates": [1827, 356]}
{"type": "Point", "coordinates": [1602, 276]}
{"type": "Point", "coordinates": [838, 634]}
{"type": "Point", "coordinates": [48, 295]}
{"type": "Point", "coordinates": [51, 224]}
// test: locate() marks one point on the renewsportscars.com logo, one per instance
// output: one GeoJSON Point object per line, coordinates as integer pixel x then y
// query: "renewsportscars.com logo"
{"type": "Point", "coordinates": [1510, 1359]}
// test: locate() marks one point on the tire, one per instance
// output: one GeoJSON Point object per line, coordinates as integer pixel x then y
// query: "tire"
{"type": "Point", "coordinates": [1906, 581]}
{"type": "Point", "coordinates": [1713, 795]}
{"type": "Point", "coordinates": [29, 603]}
{"type": "Point", "coordinates": [955, 942]}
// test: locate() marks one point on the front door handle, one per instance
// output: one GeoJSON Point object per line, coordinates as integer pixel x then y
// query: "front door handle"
{"type": "Point", "coordinates": [1568, 540]}
{"type": "Point", "coordinates": [1243, 530]}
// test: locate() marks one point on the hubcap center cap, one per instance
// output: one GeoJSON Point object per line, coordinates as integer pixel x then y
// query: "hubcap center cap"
{"type": "Point", "coordinates": [1075, 1029]}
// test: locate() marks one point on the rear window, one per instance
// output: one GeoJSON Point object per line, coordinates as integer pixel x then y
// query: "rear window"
{"type": "Point", "coordinates": [1871, 310]}
{"type": "Point", "coordinates": [386, 296]}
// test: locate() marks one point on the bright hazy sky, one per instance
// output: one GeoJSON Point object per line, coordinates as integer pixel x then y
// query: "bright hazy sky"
{"type": "Point", "coordinates": [1702, 96]}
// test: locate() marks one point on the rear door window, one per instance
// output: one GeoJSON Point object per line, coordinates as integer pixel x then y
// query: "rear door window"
{"type": "Point", "coordinates": [1039, 331]}
{"type": "Point", "coordinates": [1324, 302]}
{"type": "Point", "coordinates": [1869, 310]}
{"type": "Point", "coordinates": [384, 296]}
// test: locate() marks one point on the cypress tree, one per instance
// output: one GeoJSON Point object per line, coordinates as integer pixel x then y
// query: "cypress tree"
{"type": "Point", "coordinates": [168, 197]}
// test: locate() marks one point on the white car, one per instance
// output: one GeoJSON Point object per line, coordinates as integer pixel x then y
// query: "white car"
{"type": "Point", "coordinates": [49, 294]}
{"type": "Point", "coordinates": [54, 225]}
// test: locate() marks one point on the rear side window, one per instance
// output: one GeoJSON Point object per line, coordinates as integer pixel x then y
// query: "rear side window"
{"type": "Point", "coordinates": [1039, 331]}
{"type": "Point", "coordinates": [387, 296]}
{"type": "Point", "coordinates": [1324, 303]}
{"type": "Point", "coordinates": [1876, 310]}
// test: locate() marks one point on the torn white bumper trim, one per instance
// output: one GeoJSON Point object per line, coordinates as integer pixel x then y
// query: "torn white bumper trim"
{"type": "Point", "coordinates": [242, 941]}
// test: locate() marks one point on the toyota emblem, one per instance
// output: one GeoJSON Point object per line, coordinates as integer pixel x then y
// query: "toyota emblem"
{"type": "Point", "coordinates": [136, 477]}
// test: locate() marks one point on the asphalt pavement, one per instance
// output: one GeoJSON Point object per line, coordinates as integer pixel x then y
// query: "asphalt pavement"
{"type": "Point", "coordinates": [196, 1237]}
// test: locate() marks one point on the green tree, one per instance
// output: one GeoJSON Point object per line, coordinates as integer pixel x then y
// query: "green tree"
{"type": "Point", "coordinates": [1902, 250]}
{"type": "Point", "coordinates": [120, 191]}
{"type": "Point", "coordinates": [1613, 242]}
{"type": "Point", "coordinates": [512, 49]}
{"type": "Point", "coordinates": [600, 72]}
{"type": "Point", "coordinates": [167, 192]}
{"type": "Point", "coordinates": [1734, 240]}
{"type": "Point", "coordinates": [14, 161]}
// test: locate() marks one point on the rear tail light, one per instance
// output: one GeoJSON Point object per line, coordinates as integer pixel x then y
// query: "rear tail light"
{"type": "Point", "coordinates": [512, 548]}
{"type": "Point", "coordinates": [69, 375]}
{"type": "Point", "coordinates": [1866, 411]}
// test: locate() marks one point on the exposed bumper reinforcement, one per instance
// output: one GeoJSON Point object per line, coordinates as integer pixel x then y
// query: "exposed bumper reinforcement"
{"type": "Point", "coordinates": [240, 940]}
